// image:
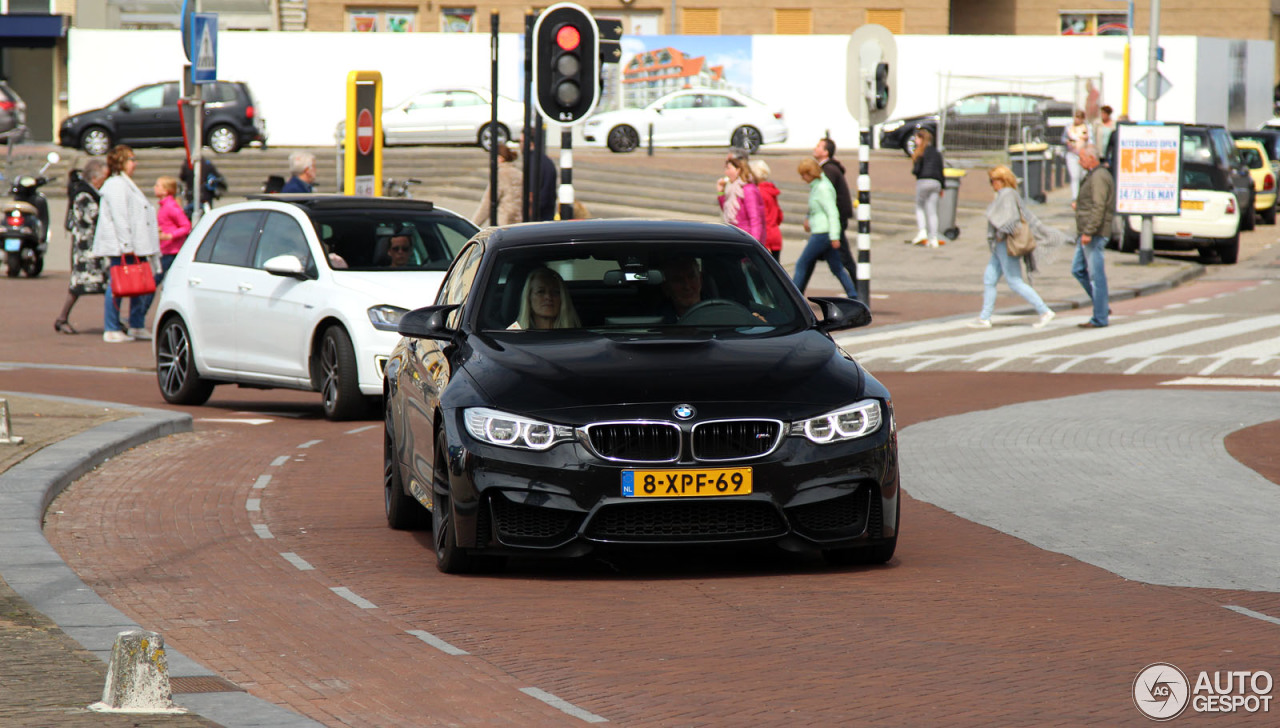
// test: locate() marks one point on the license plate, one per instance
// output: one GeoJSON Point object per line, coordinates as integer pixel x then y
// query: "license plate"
{"type": "Point", "coordinates": [12, 244]}
{"type": "Point", "coordinates": [1193, 204]}
{"type": "Point", "coordinates": [686, 483]}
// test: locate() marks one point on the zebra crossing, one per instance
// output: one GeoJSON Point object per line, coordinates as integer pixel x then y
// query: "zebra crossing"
{"type": "Point", "coordinates": [1199, 341]}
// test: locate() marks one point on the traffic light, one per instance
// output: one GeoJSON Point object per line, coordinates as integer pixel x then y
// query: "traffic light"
{"type": "Point", "coordinates": [870, 74]}
{"type": "Point", "coordinates": [881, 99]}
{"type": "Point", "coordinates": [566, 51]}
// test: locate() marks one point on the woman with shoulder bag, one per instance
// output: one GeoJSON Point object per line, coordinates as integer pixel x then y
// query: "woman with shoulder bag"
{"type": "Point", "coordinates": [127, 233]}
{"type": "Point", "coordinates": [1008, 220]}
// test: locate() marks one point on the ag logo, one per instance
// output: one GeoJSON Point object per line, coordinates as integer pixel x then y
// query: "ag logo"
{"type": "Point", "coordinates": [1161, 691]}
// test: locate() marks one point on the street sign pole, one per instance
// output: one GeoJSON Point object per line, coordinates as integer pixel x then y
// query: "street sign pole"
{"type": "Point", "coordinates": [1146, 243]}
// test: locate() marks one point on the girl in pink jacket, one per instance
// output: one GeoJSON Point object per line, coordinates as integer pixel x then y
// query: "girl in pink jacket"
{"type": "Point", "coordinates": [740, 201]}
{"type": "Point", "coordinates": [172, 221]}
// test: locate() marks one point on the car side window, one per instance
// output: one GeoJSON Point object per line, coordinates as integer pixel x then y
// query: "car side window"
{"type": "Point", "coordinates": [149, 97]}
{"type": "Point", "coordinates": [973, 106]}
{"type": "Point", "coordinates": [219, 92]}
{"type": "Point", "coordinates": [429, 101]}
{"type": "Point", "coordinates": [235, 238]}
{"type": "Point", "coordinates": [721, 102]}
{"type": "Point", "coordinates": [281, 235]}
{"type": "Point", "coordinates": [467, 98]}
{"type": "Point", "coordinates": [1008, 104]}
{"type": "Point", "coordinates": [458, 284]}
{"type": "Point", "coordinates": [681, 102]}
{"type": "Point", "coordinates": [1226, 146]}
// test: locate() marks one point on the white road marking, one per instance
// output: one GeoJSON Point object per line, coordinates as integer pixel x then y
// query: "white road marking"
{"type": "Point", "coordinates": [352, 597]}
{"type": "Point", "coordinates": [1250, 613]}
{"type": "Point", "coordinates": [563, 705]}
{"type": "Point", "coordinates": [309, 443]}
{"type": "Point", "coordinates": [251, 421]}
{"type": "Point", "coordinates": [1259, 351]}
{"type": "Point", "coordinates": [437, 643]}
{"type": "Point", "coordinates": [297, 561]}
{"type": "Point", "coordinates": [361, 429]}
{"type": "Point", "coordinates": [1166, 344]}
{"type": "Point", "coordinates": [261, 482]}
{"type": "Point", "coordinates": [253, 504]}
{"type": "Point", "coordinates": [1224, 381]}
{"type": "Point", "coordinates": [280, 461]}
{"type": "Point", "coordinates": [1091, 336]}
{"type": "Point", "coordinates": [262, 530]}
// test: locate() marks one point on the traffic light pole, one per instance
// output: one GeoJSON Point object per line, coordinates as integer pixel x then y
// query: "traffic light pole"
{"type": "Point", "coordinates": [863, 283]}
{"type": "Point", "coordinates": [566, 173]}
{"type": "Point", "coordinates": [493, 118]}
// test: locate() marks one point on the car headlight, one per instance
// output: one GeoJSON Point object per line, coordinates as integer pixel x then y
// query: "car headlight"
{"type": "Point", "coordinates": [386, 318]}
{"type": "Point", "coordinates": [849, 423]}
{"type": "Point", "coordinates": [500, 428]}
{"type": "Point", "coordinates": [892, 125]}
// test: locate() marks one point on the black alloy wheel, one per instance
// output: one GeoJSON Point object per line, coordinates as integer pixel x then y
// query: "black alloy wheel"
{"type": "Point", "coordinates": [450, 557]}
{"type": "Point", "coordinates": [339, 384]}
{"type": "Point", "coordinates": [747, 138]}
{"type": "Point", "coordinates": [403, 512]}
{"type": "Point", "coordinates": [176, 373]}
{"type": "Point", "coordinates": [623, 139]}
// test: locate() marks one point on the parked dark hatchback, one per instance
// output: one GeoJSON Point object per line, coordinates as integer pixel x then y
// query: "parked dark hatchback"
{"type": "Point", "coordinates": [984, 121]}
{"type": "Point", "coordinates": [13, 112]}
{"type": "Point", "coordinates": [689, 396]}
{"type": "Point", "coordinates": [148, 117]}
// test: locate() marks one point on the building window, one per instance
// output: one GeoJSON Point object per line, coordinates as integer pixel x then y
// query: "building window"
{"type": "Point", "coordinates": [1093, 24]}
{"type": "Point", "coordinates": [457, 20]}
{"type": "Point", "coordinates": [792, 21]}
{"type": "Point", "coordinates": [700, 21]}
{"type": "Point", "coordinates": [891, 19]}
{"type": "Point", "coordinates": [382, 20]}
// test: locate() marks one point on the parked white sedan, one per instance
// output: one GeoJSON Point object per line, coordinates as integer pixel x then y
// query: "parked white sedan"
{"type": "Point", "coordinates": [690, 118]}
{"type": "Point", "coordinates": [299, 292]}
{"type": "Point", "coordinates": [450, 116]}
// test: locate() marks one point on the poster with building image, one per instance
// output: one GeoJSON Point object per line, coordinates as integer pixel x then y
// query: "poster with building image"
{"type": "Point", "coordinates": [653, 66]}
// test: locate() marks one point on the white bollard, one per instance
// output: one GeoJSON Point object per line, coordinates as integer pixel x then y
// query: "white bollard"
{"type": "Point", "coordinates": [6, 430]}
{"type": "Point", "coordinates": [137, 676]}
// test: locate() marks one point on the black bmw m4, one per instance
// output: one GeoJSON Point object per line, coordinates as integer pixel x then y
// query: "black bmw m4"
{"type": "Point", "coordinates": [633, 383]}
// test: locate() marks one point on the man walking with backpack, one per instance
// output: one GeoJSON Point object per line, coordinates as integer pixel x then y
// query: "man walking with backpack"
{"type": "Point", "coordinates": [825, 153]}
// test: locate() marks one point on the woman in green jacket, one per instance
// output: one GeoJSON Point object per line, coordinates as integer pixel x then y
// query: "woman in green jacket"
{"type": "Point", "coordinates": [823, 226]}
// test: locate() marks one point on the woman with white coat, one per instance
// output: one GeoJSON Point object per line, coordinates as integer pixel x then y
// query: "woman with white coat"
{"type": "Point", "coordinates": [126, 225]}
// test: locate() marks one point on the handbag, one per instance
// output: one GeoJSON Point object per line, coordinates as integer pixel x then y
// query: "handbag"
{"type": "Point", "coordinates": [1020, 241]}
{"type": "Point", "coordinates": [132, 277]}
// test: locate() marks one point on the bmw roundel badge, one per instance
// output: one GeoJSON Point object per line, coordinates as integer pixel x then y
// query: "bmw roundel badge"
{"type": "Point", "coordinates": [683, 411]}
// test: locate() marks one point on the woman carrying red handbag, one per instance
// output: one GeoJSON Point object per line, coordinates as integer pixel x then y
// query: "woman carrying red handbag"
{"type": "Point", "coordinates": [128, 236]}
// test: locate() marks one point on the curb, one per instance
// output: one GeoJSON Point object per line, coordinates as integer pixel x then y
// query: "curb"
{"type": "Point", "coordinates": [37, 573]}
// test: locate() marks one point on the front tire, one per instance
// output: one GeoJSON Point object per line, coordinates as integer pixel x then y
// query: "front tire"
{"type": "Point", "coordinates": [485, 137]}
{"type": "Point", "coordinates": [450, 558]}
{"type": "Point", "coordinates": [403, 512]}
{"type": "Point", "coordinates": [1248, 218]}
{"type": "Point", "coordinates": [223, 139]}
{"type": "Point", "coordinates": [96, 140]}
{"type": "Point", "coordinates": [623, 139]}
{"type": "Point", "coordinates": [339, 382]}
{"type": "Point", "coordinates": [176, 373]}
{"type": "Point", "coordinates": [866, 555]}
{"type": "Point", "coordinates": [747, 138]}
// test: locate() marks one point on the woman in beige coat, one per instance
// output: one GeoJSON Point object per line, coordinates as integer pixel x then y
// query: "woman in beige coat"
{"type": "Point", "coordinates": [510, 191]}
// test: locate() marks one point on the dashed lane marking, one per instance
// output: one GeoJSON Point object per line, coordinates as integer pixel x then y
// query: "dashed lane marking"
{"type": "Point", "coordinates": [352, 597]}
{"type": "Point", "coordinates": [1223, 382]}
{"type": "Point", "coordinates": [1250, 613]}
{"type": "Point", "coordinates": [358, 430]}
{"type": "Point", "coordinates": [261, 482]}
{"type": "Point", "coordinates": [245, 421]}
{"type": "Point", "coordinates": [253, 504]}
{"type": "Point", "coordinates": [309, 443]}
{"type": "Point", "coordinates": [563, 705]}
{"type": "Point", "coordinates": [280, 461]}
{"type": "Point", "coordinates": [297, 561]}
{"type": "Point", "coordinates": [437, 643]}
{"type": "Point", "coordinates": [262, 530]}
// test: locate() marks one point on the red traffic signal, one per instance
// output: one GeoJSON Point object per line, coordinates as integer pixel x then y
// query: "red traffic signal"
{"type": "Point", "coordinates": [566, 63]}
{"type": "Point", "coordinates": [568, 38]}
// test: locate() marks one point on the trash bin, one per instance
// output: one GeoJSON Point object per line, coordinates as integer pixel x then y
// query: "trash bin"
{"type": "Point", "coordinates": [1027, 163]}
{"type": "Point", "coordinates": [950, 200]}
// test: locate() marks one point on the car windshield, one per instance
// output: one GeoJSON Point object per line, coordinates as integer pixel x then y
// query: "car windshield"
{"type": "Point", "coordinates": [386, 239]}
{"type": "Point", "coordinates": [727, 290]}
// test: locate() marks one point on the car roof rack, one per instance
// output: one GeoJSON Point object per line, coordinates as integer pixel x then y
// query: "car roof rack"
{"type": "Point", "coordinates": [337, 202]}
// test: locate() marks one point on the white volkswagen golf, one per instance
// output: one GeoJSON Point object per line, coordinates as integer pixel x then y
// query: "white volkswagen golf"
{"type": "Point", "coordinates": [301, 292]}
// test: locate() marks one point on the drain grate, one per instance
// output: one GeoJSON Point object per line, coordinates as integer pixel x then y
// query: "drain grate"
{"type": "Point", "coordinates": [203, 684]}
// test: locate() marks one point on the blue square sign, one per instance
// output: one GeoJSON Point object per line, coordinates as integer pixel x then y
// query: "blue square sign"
{"type": "Point", "coordinates": [204, 46]}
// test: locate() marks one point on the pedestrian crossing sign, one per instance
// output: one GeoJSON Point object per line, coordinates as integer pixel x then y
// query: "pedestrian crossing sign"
{"type": "Point", "coordinates": [204, 38]}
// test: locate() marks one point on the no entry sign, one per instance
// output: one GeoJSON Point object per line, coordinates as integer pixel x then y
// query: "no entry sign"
{"type": "Point", "coordinates": [364, 131]}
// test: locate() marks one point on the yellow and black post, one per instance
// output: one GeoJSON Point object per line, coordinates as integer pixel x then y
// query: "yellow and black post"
{"type": "Point", "coordinates": [362, 148]}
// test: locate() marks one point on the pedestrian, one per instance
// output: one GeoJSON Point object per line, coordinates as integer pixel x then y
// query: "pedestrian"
{"type": "Point", "coordinates": [127, 225]}
{"type": "Point", "coordinates": [823, 226]}
{"type": "Point", "coordinates": [1103, 130]}
{"type": "Point", "coordinates": [825, 153]}
{"type": "Point", "coordinates": [510, 191]}
{"type": "Point", "coordinates": [214, 186]}
{"type": "Point", "coordinates": [1075, 136]}
{"type": "Point", "coordinates": [88, 273]}
{"type": "Point", "coordinates": [1004, 215]}
{"type": "Point", "coordinates": [772, 212]}
{"type": "Point", "coordinates": [739, 197]}
{"type": "Point", "coordinates": [926, 165]}
{"type": "Point", "coordinates": [1095, 212]}
{"type": "Point", "coordinates": [171, 221]}
{"type": "Point", "coordinates": [302, 167]}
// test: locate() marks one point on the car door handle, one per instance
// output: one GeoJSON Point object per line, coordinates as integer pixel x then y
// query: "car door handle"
{"type": "Point", "coordinates": [245, 286]}
{"type": "Point", "coordinates": [193, 282]}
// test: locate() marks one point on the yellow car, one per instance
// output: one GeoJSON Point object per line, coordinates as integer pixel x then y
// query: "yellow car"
{"type": "Point", "coordinates": [1264, 179]}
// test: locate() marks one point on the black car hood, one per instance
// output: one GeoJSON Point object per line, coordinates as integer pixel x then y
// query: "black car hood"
{"type": "Point", "coordinates": [797, 374]}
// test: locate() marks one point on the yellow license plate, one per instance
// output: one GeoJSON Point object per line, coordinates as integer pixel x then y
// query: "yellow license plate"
{"type": "Point", "coordinates": [1193, 204]}
{"type": "Point", "coordinates": [686, 483]}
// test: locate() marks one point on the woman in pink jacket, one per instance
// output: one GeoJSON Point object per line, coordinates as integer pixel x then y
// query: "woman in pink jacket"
{"type": "Point", "coordinates": [740, 201]}
{"type": "Point", "coordinates": [173, 223]}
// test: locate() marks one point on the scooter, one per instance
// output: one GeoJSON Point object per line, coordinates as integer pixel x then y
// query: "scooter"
{"type": "Point", "coordinates": [24, 223]}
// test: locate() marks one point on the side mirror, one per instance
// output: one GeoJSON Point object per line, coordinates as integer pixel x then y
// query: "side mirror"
{"type": "Point", "coordinates": [428, 323]}
{"type": "Point", "coordinates": [287, 266]}
{"type": "Point", "coordinates": [839, 313]}
{"type": "Point", "coordinates": [126, 107]}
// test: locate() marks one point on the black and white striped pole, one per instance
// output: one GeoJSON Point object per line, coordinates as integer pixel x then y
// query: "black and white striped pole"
{"type": "Point", "coordinates": [871, 74]}
{"type": "Point", "coordinates": [565, 191]}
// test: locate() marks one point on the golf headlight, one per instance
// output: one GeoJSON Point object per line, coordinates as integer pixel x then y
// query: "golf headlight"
{"type": "Point", "coordinates": [386, 318]}
{"type": "Point", "coordinates": [849, 423]}
{"type": "Point", "coordinates": [500, 428]}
